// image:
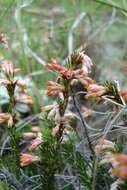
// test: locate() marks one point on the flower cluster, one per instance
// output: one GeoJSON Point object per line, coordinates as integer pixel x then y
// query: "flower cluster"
{"type": "Point", "coordinates": [106, 149]}
{"type": "Point", "coordinates": [79, 67]}
{"type": "Point", "coordinates": [54, 88]}
{"type": "Point", "coordinates": [119, 162]}
{"type": "Point", "coordinates": [95, 90]}
{"type": "Point", "coordinates": [8, 118]}
{"type": "Point", "coordinates": [34, 140]}
{"type": "Point", "coordinates": [76, 60]}
{"type": "Point", "coordinates": [11, 84]}
{"type": "Point", "coordinates": [77, 70]}
{"type": "Point", "coordinates": [63, 71]}
{"type": "Point", "coordinates": [27, 159]}
{"type": "Point", "coordinates": [104, 146]}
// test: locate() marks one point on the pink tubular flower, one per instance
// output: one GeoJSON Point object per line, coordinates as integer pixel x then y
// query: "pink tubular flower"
{"type": "Point", "coordinates": [123, 93]}
{"type": "Point", "coordinates": [47, 108]}
{"type": "Point", "coordinates": [27, 159]}
{"type": "Point", "coordinates": [24, 98]}
{"type": "Point", "coordinates": [10, 121]}
{"type": "Point", "coordinates": [55, 131]}
{"type": "Point", "coordinates": [21, 85]}
{"type": "Point", "coordinates": [29, 135]}
{"type": "Point", "coordinates": [63, 71]}
{"type": "Point", "coordinates": [35, 129]}
{"type": "Point", "coordinates": [120, 165]}
{"type": "Point", "coordinates": [95, 90]}
{"type": "Point", "coordinates": [121, 158]}
{"type": "Point", "coordinates": [54, 114]}
{"type": "Point", "coordinates": [85, 61]}
{"type": "Point", "coordinates": [86, 81]}
{"type": "Point", "coordinates": [78, 73]}
{"type": "Point", "coordinates": [4, 82]}
{"type": "Point", "coordinates": [8, 68]}
{"type": "Point", "coordinates": [54, 88]}
{"type": "Point", "coordinates": [105, 145]}
{"type": "Point", "coordinates": [3, 117]}
{"type": "Point", "coordinates": [120, 171]}
{"type": "Point", "coordinates": [8, 118]}
{"type": "Point", "coordinates": [36, 142]}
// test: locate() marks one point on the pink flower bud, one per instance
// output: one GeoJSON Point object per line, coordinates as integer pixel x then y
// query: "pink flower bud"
{"type": "Point", "coordinates": [29, 135]}
{"type": "Point", "coordinates": [55, 130]}
{"type": "Point", "coordinates": [27, 159]}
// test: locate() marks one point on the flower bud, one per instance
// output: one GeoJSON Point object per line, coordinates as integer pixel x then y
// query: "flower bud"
{"type": "Point", "coordinates": [35, 143]}
{"type": "Point", "coordinates": [24, 98]}
{"type": "Point", "coordinates": [120, 171]}
{"type": "Point", "coordinates": [35, 129]}
{"type": "Point", "coordinates": [29, 135]}
{"type": "Point", "coordinates": [55, 131]}
{"type": "Point", "coordinates": [27, 159]}
{"type": "Point", "coordinates": [104, 145]}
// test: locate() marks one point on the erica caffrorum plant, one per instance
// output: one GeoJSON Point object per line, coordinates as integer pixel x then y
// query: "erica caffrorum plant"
{"type": "Point", "coordinates": [58, 115]}
{"type": "Point", "coordinates": [63, 151]}
{"type": "Point", "coordinates": [10, 117]}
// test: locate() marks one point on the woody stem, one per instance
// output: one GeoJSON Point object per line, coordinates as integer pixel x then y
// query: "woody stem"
{"type": "Point", "coordinates": [13, 134]}
{"type": "Point", "coordinates": [83, 122]}
{"type": "Point", "coordinates": [62, 112]}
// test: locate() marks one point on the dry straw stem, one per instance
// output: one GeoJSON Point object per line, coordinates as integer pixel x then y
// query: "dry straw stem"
{"type": "Point", "coordinates": [23, 32]}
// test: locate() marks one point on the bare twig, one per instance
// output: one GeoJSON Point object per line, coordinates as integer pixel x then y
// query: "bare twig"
{"type": "Point", "coordinates": [83, 123]}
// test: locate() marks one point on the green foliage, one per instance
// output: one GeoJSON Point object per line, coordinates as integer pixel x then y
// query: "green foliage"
{"type": "Point", "coordinates": [123, 186]}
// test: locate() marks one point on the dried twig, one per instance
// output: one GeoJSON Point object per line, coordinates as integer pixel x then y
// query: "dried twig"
{"type": "Point", "coordinates": [83, 123]}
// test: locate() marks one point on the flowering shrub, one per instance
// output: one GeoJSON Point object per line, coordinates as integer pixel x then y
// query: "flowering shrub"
{"type": "Point", "coordinates": [63, 151]}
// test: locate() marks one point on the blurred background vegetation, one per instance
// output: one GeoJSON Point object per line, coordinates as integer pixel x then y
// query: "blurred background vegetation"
{"type": "Point", "coordinates": [39, 30]}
